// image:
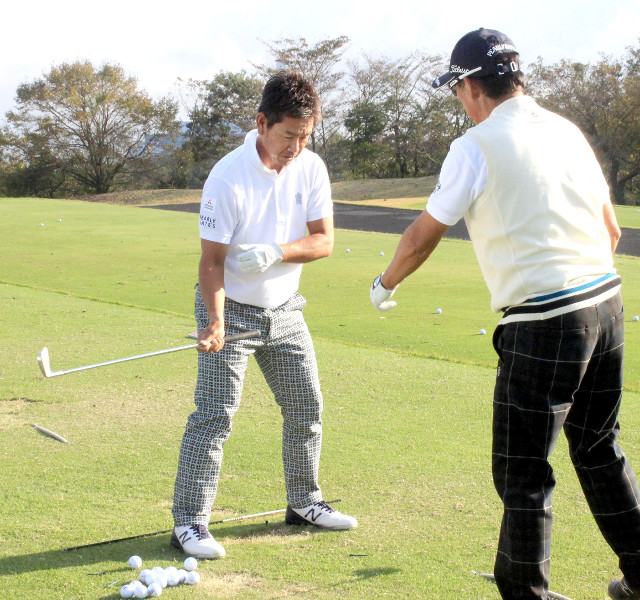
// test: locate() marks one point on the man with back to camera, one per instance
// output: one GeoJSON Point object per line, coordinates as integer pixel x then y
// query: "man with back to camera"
{"type": "Point", "coordinates": [542, 225]}
{"type": "Point", "coordinates": [257, 205]}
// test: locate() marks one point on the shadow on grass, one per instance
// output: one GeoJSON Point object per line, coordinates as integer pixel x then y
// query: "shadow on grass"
{"type": "Point", "coordinates": [152, 548]}
{"type": "Point", "coordinates": [157, 549]}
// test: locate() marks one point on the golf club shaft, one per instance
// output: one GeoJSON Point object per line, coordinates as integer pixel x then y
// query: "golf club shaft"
{"type": "Point", "coordinates": [254, 333]}
{"type": "Point", "coordinates": [142, 535]}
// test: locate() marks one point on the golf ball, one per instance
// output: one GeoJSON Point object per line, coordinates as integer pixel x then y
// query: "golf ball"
{"type": "Point", "coordinates": [146, 576]}
{"type": "Point", "coordinates": [173, 579]}
{"type": "Point", "coordinates": [190, 564]}
{"type": "Point", "coordinates": [59, 220]}
{"type": "Point", "coordinates": [381, 253]}
{"type": "Point", "coordinates": [155, 589]}
{"type": "Point", "coordinates": [135, 562]}
{"type": "Point", "coordinates": [193, 577]}
{"type": "Point", "coordinates": [41, 224]}
{"type": "Point", "coordinates": [482, 332]}
{"type": "Point", "coordinates": [161, 578]}
{"type": "Point", "coordinates": [182, 575]}
{"type": "Point", "coordinates": [126, 591]}
{"type": "Point", "coordinates": [439, 311]}
{"type": "Point", "coordinates": [636, 318]}
{"type": "Point", "coordinates": [348, 250]}
{"type": "Point", "coordinates": [140, 591]}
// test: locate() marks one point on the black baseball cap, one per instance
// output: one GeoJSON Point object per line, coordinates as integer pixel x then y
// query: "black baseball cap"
{"type": "Point", "coordinates": [473, 56]}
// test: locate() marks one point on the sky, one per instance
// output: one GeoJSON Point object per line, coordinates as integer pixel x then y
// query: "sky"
{"type": "Point", "coordinates": [159, 42]}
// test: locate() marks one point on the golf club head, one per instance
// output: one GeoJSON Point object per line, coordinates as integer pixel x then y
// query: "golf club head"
{"type": "Point", "coordinates": [43, 362]}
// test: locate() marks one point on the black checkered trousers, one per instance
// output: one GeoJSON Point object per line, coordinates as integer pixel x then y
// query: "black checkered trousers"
{"type": "Point", "coordinates": [285, 354]}
{"type": "Point", "coordinates": [560, 373]}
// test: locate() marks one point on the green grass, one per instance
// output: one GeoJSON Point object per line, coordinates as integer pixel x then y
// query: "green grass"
{"type": "Point", "coordinates": [628, 216]}
{"type": "Point", "coordinates": [406, 438]}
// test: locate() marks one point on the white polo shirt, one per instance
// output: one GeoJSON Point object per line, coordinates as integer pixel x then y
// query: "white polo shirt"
{"type": "Point", "coordinates": [244, 202]}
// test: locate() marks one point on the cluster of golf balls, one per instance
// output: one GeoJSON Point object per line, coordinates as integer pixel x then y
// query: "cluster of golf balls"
{"type": "Point", "coordinates": [151, 582]}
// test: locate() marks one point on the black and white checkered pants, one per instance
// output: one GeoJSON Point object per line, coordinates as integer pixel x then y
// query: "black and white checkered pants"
{"type": "Point", "coordinates": [285, 354]}
{"type": "Point", "coordinates": [563, 372]}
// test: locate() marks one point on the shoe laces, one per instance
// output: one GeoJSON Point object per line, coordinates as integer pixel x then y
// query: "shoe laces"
{"type": "Point", "coordinates": [624, 587]}
{"type": "Point", "coordinates": [324, 506]}
{"type": "Point", "coordinates": [200, 531]}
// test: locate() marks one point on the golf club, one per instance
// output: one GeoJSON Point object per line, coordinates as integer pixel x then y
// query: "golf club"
{"type": "Point", "coordinates": [45, 362]}
{"type": "Point", "coordinates": [550, 594]}
{"type": "Point", "coordinates": [141, 535]}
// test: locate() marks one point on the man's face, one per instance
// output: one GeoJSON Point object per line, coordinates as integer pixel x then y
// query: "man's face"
{"type": "Point", "coordinates": [464, 94]}
{"type": "Point", "coordinates": [279, 144]}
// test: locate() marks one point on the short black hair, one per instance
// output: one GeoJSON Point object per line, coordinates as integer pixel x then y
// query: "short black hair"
{"type": "Point", "coordinates": [289, 94]}
{"type": "Point", "coordinates": [506, 80]}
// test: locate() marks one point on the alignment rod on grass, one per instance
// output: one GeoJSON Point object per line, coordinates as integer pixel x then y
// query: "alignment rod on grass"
{"type": "Point", "coordinates": [45, 362]}
{"type": "Point", "coordinates": [550, 594]}
{"type": "Point", "coordinates": [141, 535]}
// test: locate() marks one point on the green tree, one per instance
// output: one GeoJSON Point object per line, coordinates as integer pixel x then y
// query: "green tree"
{"type": "Point", "coordinates": [317, 63]}
{"type": "Point", "coordinates": [365, 122]}
{"type": "Point", "coordinates": [417, 119]}
{"type": "Point", "coordinates": [223, 111]}
{"type": "Point", "coordinates": [603, 99]}
{"type": "Point", "coordinates": [91, 125]}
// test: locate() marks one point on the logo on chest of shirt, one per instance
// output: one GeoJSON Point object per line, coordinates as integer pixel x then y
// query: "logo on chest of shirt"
{"type": "Point", "coordinates": [298, 199]}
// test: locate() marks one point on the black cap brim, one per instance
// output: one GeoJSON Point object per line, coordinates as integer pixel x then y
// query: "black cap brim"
{"type": "Point", "coordinates": [438, 82]}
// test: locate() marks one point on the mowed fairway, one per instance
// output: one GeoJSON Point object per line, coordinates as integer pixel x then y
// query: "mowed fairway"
{"type": "Point", "coordinates": [406, 438]}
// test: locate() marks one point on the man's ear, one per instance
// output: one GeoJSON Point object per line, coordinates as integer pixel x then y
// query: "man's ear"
{"type": "Point", "coordinates": [262, 123]}
{"type": "Point", "coordinates": [473, 86]}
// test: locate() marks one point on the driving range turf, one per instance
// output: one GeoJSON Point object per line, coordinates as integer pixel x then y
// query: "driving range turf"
{"type": "Point", "coordinates": [407, 421]}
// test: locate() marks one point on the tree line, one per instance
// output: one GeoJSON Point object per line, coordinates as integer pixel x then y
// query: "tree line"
{"type": "Point", "coordinates": [81, 129]}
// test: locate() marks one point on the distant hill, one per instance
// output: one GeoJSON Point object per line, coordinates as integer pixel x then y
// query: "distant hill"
{"type": "Point", "coordinates": [395, 193]}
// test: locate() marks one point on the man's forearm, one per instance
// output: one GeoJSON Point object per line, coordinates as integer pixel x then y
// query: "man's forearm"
{"type": "Point", "coordinates": [307, 249]}
{"type": "Point", "coordinates": [211, 283]}
{"type": "Point", "coordinates": [416, 245]}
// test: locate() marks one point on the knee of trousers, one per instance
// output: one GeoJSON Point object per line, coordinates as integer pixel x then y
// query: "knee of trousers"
{"type": "Point", "coordinates": [524, 486]}
{"type": "Point", "coordinates": [211, 426]}
{"type": "Point", "coordinates": [302, 415]}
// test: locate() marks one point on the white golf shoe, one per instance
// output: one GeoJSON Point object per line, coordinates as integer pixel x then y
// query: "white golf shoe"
{"type": "Point", "coordinates": [195, 540]}
{"type": "Point", "coordinates": [319, 514]}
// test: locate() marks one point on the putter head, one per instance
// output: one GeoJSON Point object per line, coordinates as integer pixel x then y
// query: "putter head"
{"type": "Point", "coordinates": [43, 362]}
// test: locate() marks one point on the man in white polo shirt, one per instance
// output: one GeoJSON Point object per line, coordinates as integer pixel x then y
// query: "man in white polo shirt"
{"type": "Point", "coordinates": [257, 206]}
{"type": "Point", "coordinates": [542, 225]}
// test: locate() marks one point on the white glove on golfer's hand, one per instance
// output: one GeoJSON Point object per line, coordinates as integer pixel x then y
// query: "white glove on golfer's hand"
{"type": "Point", "coordinates": [380, 295]}
{"type": "Point", "coordinates": [257, 258]}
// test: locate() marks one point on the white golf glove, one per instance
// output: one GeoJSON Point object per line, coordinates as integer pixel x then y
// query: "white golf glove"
{"type": "Point", "coordinates": [380, 295]}
{"type": "Point", "coordinates": [257, 258]}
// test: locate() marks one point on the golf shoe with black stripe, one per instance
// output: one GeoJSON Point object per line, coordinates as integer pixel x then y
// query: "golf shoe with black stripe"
{"type": "Point", "coordinates": [320, 514]}
{"type": "Point", "coordinates": [195, 540]}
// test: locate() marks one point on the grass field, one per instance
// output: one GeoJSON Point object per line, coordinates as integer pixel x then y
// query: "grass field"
{"type": "Point", "coordinates": [406, 438]}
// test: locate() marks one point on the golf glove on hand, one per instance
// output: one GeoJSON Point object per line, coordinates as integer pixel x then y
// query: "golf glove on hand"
{"type": "Point", "coordinates": [257, 258]}
{"type": "Point", "coordinates": [380, 295]}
